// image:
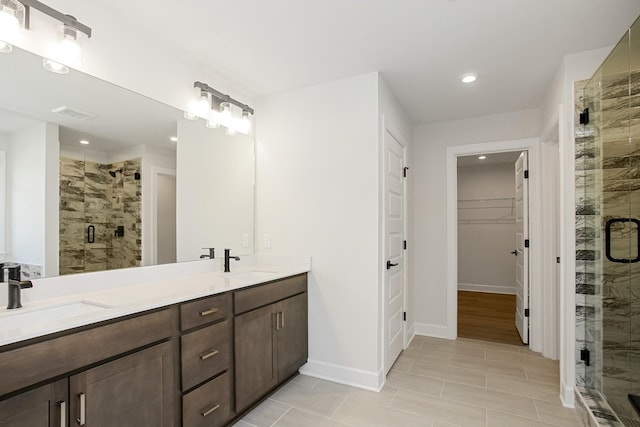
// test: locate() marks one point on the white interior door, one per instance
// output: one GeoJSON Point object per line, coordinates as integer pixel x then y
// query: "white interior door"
{"type": "Point", "coordinates": [522, 256]}
{"type": "Point", "coordinates": [394, 248]}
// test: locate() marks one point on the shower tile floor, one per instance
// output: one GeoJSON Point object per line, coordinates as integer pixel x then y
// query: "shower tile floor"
{"type": "Point", "coordinates": [434, 383]}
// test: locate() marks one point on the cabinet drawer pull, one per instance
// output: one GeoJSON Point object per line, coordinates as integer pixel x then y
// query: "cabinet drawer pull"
{"type": "Point", "coordinates": [282, 319]}
{"type": "Point", "coordinates": [209, 355]}
{"type": "Point", "coordinates": [277, 317]}
{"type": "Point", "coordinates": [63, 413]}
{"type": "Point", "coordinates": [208, 312]}
{"type": "Point", "coordinates": [82, 419]}
{"type": "Point", "coordinates": [210, 410]}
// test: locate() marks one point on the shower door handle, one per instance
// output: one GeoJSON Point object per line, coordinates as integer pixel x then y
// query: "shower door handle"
{"type": "Point", "coordinates": [607, 234]}
{"type": "Point", "coordinates": [91, 234]}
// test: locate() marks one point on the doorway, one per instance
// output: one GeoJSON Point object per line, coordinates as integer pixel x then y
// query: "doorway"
{"type": "Point", "coordinates": [489, 260]}
{"type": "Point", "coordinates": [538, 322]}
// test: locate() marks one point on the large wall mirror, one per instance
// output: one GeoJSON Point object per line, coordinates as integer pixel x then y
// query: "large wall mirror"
{"type": "Point", "coordinates": [132, 196]}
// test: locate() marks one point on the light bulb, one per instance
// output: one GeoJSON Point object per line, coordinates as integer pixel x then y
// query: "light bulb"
{"type": "Point", "coordinates": [11, 17]}
{"type": "Point", "coordinates": [203, 106]}
{"type": "Point", "coordinates": [69, 51]}
{"type": "Point", "coordinates": [225, 114]}
{"type": "Point", "coordinates": [190, 116]}
{"type": "Point", "coordinates": [212, 124]}
{"type": "Point", "coordinates": [469, 78]}
{"type": "Point", "coordinates": [54, 67]}
{"type": "Point", "coordinates": [231, 131]}
{"type": "Point", "coordinates": [244, 124]}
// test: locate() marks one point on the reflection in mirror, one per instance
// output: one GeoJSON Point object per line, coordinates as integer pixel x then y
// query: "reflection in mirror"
{"type": "Point", "coordinates": [112, 203]}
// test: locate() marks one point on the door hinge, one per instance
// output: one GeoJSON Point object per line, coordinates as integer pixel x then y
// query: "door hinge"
{"type": "Point", "coordinates": [404, 316]}
{"type": "Point", "coordinates": [557, 260]}
{"type": "Point", "coordinates": [526, 174]}
{"type": "Point", "coordinates": [404, 171]}
{"type": "Point", "coordinates": [584, 117]}
{"type": "Point", "coordinates": [526, 312]}
{"type": "Point", "coordinates": [404, 245]}
{"type": "Point", "coordinates": [526, 243]}
{"type": "Point", "coordinates": [585, 356]}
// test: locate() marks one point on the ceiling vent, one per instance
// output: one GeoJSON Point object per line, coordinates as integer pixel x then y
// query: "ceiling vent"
{"type": "Point", "coordinates": [73, 114]}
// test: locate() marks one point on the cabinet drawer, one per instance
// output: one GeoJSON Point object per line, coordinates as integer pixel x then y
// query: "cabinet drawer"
{"type": "Point", "coordinates": [208, 405]}
{"type": "Point", "coordinates": [57, 356]}
{"type": "Point", "coordinates": [262, 295]}
{"type": "Point", "coordinates": [205, 353]}
{"type": "Point", "coordinates": [204, 311]}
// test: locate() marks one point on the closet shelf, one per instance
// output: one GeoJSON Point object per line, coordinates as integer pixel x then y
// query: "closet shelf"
{"type": "Point", "coordinates": [500, 210]}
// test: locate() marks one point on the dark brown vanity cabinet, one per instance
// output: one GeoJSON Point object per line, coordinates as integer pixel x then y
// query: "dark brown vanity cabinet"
{"type": "Point", "coordinates": [125, 376]}
{"type": "Point", "coordinates": [46, 406]}
{"type": "Point", "coordinates": [205, 354]}
{"type": "Point", "coordinates": [270, 337]}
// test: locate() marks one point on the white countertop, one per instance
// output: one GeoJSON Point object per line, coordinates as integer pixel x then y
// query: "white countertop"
{"type": "Point", "coordinates": [109, 299]}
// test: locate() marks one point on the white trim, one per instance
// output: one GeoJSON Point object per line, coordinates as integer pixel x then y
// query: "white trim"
{"type": "Point", "coordinates": [567, 250]}
{"type": "Point", "coordinates": [532, 146]}
{"type": "Point", "coordinates": [491, 289]}
{"type": "Point", "coordinates": [153, 188]}
{"type": "Point", "coordinates": [430, 330]}
{"type": "Point", "coordinates": [3, 203]}
{"type": "Point", "coordinates": [549, 148]}
{"type": "Point", "coordinates": [367, 380]}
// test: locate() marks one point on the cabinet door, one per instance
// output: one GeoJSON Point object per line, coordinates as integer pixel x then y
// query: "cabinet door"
{"type": "Point", "coordinates": [132, 391]}
{"type": "Point", "coordinates": [45, 406]}
{"type": "Point", "coordinates": [292, 335]}
{"type": "Point", "coordinates": [255, 361]}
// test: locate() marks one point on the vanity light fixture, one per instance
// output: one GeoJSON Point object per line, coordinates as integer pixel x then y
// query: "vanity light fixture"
{"type": "Point", "coordinates": [220, 111]}
{"type": "Point", "coordinates": [12, 17]}
{"type": "Point", "coordinates": [469, 78]}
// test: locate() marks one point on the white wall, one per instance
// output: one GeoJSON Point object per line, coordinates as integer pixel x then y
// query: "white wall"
{"type": "Point", "coordinates": [166, 224]}
{"type": "Point", "coordinates": [485, 262]}
{"type": "Point", "coordinates": [32, 190]}
{"type": "Point", "coordinates": [317, 195]}
{"type": "Point", "coordinates": [429, 197]}
{"type": "Point", "coordinates": [4, 146]}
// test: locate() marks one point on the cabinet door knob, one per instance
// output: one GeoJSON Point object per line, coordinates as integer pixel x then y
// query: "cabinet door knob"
{"type": "Point", "coordinates": [210, 410]}
{"type": "Point", "coordinates": [82, 419]}
{"type": "Point", "coordinates": [208, 312]}
{"type": "Point", "coordinates": [209, 355]}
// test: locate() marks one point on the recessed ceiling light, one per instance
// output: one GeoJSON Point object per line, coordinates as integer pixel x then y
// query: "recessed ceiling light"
{"type": "Point", "coordinates": [84, 142]}
{"type": "Point", "coordinates": [174, 139]}
{"type": "Point", "coordinates": [482, 157]}
{"type": "Point", "coordinates": [469, 78]}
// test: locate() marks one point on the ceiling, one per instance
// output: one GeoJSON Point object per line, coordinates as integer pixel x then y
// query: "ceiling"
{"type": "Point", "coordinates": [420, 47]}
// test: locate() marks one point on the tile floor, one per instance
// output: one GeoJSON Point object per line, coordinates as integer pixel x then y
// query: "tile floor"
{"type": "Point", "coordinates": [434, 383]}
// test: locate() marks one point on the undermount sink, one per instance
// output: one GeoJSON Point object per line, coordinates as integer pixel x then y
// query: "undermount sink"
{"type": "Point", "coordinates": [29, 318]}
{"type": "Point", "coordinates": [246, 275]}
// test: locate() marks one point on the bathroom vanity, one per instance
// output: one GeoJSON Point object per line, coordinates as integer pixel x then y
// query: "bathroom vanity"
{"type": "Point", "coordinates": [219, 347]}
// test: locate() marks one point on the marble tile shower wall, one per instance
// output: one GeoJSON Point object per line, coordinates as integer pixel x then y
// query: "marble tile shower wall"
{"type": "Point", "coordinates": [91, 197]}
{"type": "Point", "coordinates": [608, 181]}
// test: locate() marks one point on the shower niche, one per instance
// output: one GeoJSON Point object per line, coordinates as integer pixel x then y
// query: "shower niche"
{"type": "Point", "coordinates": [608, 235]}
{"type": "Point", "coordinates": [100, 215]}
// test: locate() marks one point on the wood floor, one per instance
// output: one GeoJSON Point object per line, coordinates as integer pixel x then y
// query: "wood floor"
{"type": "Point", "coordinates": [488, 317]}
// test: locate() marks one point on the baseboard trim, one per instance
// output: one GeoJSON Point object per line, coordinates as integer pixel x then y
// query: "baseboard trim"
{"type": "Point", "coordinates": [340, 374]}
{"type": "Point", "coordinates": [436, 331]}
{"type": "Point", "coordinates": [410, 334]}
{"type": "Point", "coordinates": [491, 289]}
{"type": "Point", "coordinates": [568, 395]}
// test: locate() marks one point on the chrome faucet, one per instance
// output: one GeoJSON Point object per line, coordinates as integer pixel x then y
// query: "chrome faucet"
{"type": "Point", "coordinates": [14, 285]}
{"type": "Point", "coordinates": [212, 253]}
{"type": "Point", "coordinates": [227, 257]}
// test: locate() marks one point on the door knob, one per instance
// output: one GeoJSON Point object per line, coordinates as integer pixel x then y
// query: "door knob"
{"type": "Point", "coordinates": [389, 265]}
{"type": "Point", "coordinates": [515, 252]}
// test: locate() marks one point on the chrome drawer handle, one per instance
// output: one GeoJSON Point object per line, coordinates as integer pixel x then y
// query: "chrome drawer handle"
{"type": "Point", "coordinates": [83, 409]}
{"type": "Point", "coordinates": [209, 312]}
{"type": "Point", "coordinates": [209, 355]}
{"type": "Point", "coordinates": [63, 413]}
{"type": "Point", "coordinates": [210, 410]}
